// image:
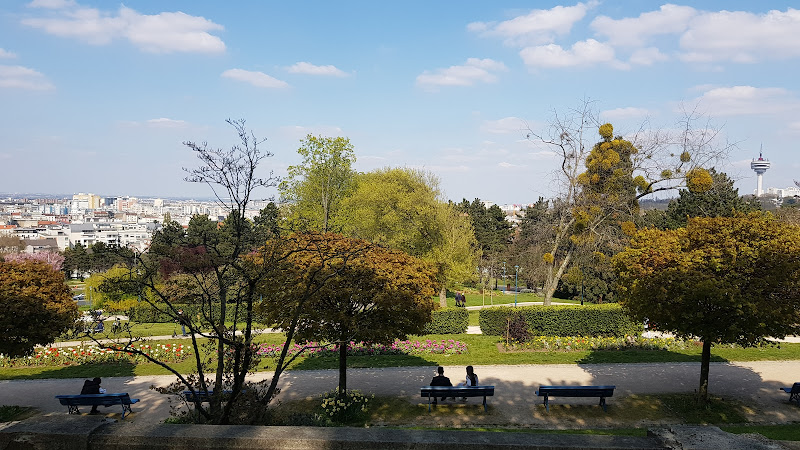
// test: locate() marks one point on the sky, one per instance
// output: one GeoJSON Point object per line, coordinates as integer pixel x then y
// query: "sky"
{"type": "Point", "coordinates": [97, 96]}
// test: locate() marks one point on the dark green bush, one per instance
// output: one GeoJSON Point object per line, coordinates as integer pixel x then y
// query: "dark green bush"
{"type": "Point", "coordinates": [448, 321]}
{"type": "Point", "coordinates": [562, 320]}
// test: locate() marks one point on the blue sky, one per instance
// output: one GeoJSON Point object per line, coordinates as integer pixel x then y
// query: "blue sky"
{"type": "Point", "coordinates": [98, 96]}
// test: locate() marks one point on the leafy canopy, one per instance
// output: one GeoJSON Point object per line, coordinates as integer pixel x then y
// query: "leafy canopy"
{"type": "Point", "coordinates": [36, 306]}
{"type": "Point", "coordinates": [722, 279]}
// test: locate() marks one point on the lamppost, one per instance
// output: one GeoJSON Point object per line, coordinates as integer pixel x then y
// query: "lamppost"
{"type": "Point", "coordinates": [516, 284]}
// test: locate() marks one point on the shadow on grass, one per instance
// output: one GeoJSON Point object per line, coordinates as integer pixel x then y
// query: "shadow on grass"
{"type": "Point", "coordinates": [103, 370]}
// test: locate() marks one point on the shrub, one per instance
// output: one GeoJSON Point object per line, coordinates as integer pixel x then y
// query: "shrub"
{"type": "Point", "coordinates": [344, 408]}
{"type": "Point", "coordinates": [448, 321]}
{"type": "Point", "coordinates": [562, 320]}
{"type": "Point", "coordinates": [517, 330]}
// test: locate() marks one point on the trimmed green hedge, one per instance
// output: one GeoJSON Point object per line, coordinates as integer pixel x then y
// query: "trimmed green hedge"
{"type": "Point", "coordinates": [448, 321]}
{"type": "Point", "coordinates": [562, 320]}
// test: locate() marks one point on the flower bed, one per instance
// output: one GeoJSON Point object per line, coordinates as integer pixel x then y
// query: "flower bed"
{"type": "Point", "coordinates": [90, 354]}
{"type": "Point", "coordinates": [561, 343]}
{"type": "Point", "coordinates": [398, 347]}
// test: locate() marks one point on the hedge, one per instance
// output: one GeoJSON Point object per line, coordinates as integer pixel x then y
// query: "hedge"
{"type": "Point", "coordinates": [448, 321]}
{"type": "Point", "coordinates": [562, 320]}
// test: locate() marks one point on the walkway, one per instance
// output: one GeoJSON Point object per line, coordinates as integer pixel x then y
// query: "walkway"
{"type": "Point", "coordinates": [514, 403]}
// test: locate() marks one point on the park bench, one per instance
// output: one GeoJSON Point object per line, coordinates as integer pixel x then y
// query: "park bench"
{"type": "Point", "coordinates": [794, 393]}
{"type": "Point", "coordinates": [575, 391]}
{"type": "Point", "coordinates": [73, 401]}
{"type": "Point", "coordinates": [203, 396]}
{"type": "Point", "coordinates": [433, 392]}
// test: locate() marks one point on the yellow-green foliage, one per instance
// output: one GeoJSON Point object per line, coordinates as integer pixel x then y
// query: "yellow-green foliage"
{"type": "Point", "coordinates": [686, 157]}
{"type": "Point", "coordinates": [699, 180]}
{"type": "Point", "coordinates": [606, 131]}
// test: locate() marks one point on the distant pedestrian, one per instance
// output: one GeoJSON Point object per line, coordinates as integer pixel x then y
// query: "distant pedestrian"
{"type": "Point", "coordinates": [116, 326]}
{"type": "Point", "coordinates": [182, 321]}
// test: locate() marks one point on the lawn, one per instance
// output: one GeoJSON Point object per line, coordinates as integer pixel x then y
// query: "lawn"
{"type": "Point", "coordinates": [483, 350]}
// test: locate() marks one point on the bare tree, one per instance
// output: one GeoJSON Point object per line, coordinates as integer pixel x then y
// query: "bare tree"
{"type": "Point", "coordinates": [596, 195]}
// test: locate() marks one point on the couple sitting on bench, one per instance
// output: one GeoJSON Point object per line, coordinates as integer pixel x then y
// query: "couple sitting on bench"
{"type": "Point", "coordinates": [441, 380]}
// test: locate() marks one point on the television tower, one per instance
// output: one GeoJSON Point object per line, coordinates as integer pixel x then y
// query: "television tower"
{"type": "Point", "coordinates": [759, 166]}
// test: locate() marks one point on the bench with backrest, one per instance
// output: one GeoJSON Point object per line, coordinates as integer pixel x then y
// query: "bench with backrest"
{"type": "Point", "coordinates": [434, 392]}
{"type": "Point", "coordinates": [575, 391]}
{"type": "Point", "coordinates": [794, 393]}
{"type": "Point", "coordinates": [73, 401]}
{"type": "Point", "coordinates": [204, 396]}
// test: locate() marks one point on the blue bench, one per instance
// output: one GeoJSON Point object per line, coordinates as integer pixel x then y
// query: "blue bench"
{"type": "Point", "coordinates": [433, 392]}
{"type": "Point", "coordinates": [575, 391]}
{"type": "Point", "coordinates": [204, 396]}
{"type": "Point", "coordinates": [794, 393]}
{"type": "Point", "coordinates": [73, 401]}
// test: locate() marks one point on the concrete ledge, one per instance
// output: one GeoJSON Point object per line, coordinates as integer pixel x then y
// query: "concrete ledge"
{"type": "Point", "coordinates": [62, 432]}
{"type": "Point", "coordinates": [89, 432]}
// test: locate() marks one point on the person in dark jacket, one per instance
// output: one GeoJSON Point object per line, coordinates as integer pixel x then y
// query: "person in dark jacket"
{"type": "Point", "coordinates": [440, 380]}
{"type": "Point", "coordinates": [91, 387]}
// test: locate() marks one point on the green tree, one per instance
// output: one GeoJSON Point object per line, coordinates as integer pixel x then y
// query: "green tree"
{"type": "Point", "coordinates": [364, 292]}
{"type": "Point", "coordinates": [315, 187]}
{"type": "Point", "coordinates": [37, 306]}
{"type": "Point", "coordinates": [721, 200]}
{"type": "Point", "coordinates": [208, 259]}
{"type": "Point", "coordinates": [599, 200]}
{"type": "Point", "coordinates": [76, 261]}
{"type": "Point", "coordinates": [403, 209]}
{"type": "Point", "coordinates": [721, 279]}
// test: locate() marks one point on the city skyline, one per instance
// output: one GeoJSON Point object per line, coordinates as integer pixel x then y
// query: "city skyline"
{"type": "Point", "coordinates": [98, 97]}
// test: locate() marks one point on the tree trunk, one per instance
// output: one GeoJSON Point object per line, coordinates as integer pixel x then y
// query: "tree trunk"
{"type": "Point", "coordinates": [705, 360]}
{"type": "Point", "coordinates": [342, 368]}
{"type": "Point", "coordinates": [552, 279]}
{"type": "Point", "coordinates": [443, 297]}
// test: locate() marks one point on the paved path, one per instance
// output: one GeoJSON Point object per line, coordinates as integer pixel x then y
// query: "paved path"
{"type": "Point", "coordinates": [514, 403]}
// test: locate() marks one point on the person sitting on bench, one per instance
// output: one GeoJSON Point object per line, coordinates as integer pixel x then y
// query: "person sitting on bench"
{"type": "Point", "coordinates": [92, 387]}
{"type": "Point", "coordinates": [440, 380]}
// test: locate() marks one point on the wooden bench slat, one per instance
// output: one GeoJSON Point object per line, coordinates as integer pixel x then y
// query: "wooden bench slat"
{"type": "Point", "coordinates": [576, 391]}
{"type": "Point", "coordinates": [73, 401]}
{"type": "Point", "coordinates": [431, 392]}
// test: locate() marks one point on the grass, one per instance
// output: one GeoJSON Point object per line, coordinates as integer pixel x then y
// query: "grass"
{"type": "Point", "coordinates": [482, 351]}
{"type": "Point", "coordinates": [9, 413]}
{"type": "Point", "coordinates": [787, 432]}
{"type": "Point", "coordinates": [475, 298]}
{"type": "Point", "coordinates": [627, 416]}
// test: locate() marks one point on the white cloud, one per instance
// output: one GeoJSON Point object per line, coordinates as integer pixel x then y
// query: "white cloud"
{"type": "Point", "coordinates": [508, 165]}
{"type": "Point", "coordinates": [537, 27]}
{"type": "Point", "coordinates": [51, 4]}
{"type": "Point", "coordinates": [748, 100]}
{"type": "Point", "coordinates": [311, 69]}
{"type": "Point", "coordinates": [647, 56]}
{"type": "Point", "coordinates": [7, 54]}
{"type": "Point", "coordinates": [475, 70]}
{"type": "Point", "coordinates": [742, 37]}
{"type": "Point", "coordinates": [258, 79]}
{"type": "Point", "coordinates": [18, 77]}
{"type": "Point", "coordinates": [582, 53]}
{"type": "Point", "coordinates": [163, 122]}
{"type": "Point", "coordinates": [504, 126]}
{"type": "Point", "coordinates": [167, 32]}
{"type": "Point", "coordinates": [636, 31]}
{"type": "Point", "coordinates": [624, 113]}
